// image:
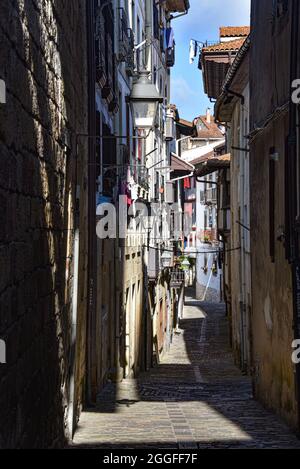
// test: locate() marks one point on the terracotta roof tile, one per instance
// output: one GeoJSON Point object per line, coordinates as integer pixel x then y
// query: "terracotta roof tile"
{"type": "Point", "coordinates": [185, 122]}
{"type": "Point", "coordinates": [225, 46]}
{"type": "Point", "coordinates": [234, 31]}
{"type": "Point", "coordinates": [209, 130]}
{"type": "Point", "coordinates": [211, 164]}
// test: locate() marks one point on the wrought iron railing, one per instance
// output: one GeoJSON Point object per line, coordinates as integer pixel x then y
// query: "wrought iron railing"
{"type": "Point", "coordinates": [209, 196]}
{"type": "Point", "coordinates": [100, 50]}
{"type": "Point", "coordinates": [123, 35]}
{"type": "Point", "coordinates": [126, 42]}
{"type": "Point", "coordinates": [177, 278]}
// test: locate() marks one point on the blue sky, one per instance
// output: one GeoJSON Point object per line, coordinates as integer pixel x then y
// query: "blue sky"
{"type": "Point", "coordinates": [202, 23]}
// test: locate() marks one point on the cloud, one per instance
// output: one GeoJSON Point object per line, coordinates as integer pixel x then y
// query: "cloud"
{"type": "Point", "coordinates": [181, 90]}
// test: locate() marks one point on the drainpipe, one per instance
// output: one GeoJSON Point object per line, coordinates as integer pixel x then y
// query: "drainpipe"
{"type": "Point", "coordinates": [92, 242]}
{"type": "Point", "coordinates": [72, 391]}
{"type": "Point", "coordinates": [293, 215]}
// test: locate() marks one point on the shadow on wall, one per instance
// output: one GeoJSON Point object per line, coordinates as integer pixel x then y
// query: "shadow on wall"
{"type": "Point", "coordinates": [37, 190]}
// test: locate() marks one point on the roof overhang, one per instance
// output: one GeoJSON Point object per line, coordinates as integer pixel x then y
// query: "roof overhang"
{"type": "Point", "coordinates": [234, 84]}
{"type": "Point", "coordinates": [177, 5]}
{"type": "Point", "coordinates": [215, 67]}
{"type": "Point", "coordinates": [212, 164]}
{"type": "Point", "coordinates": [216, 61]}
{"type": "Point", "coordinates": [179, 167]}
{"type": "Point", "coordinates": [199, 154]}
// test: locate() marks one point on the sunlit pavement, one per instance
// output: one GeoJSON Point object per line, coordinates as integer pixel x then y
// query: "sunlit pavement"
{"type": "Point", "coordinates": [196, 398]}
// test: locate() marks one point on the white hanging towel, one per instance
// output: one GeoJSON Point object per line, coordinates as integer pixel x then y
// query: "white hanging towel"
{"type": "Point", "coordinates": [192, 51]}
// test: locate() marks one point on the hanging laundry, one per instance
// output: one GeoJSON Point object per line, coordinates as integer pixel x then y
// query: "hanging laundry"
{"type": "Point", "coordinates": [187, 183]}
{"type": "Point", "coordinates": [163, 39]}
{"type": "Point", "coordinates": [200, 62]}
{"type": "Point", "coordinates": [170, 38]}
{"type": "Point", "coordinates": [192, 51]}
{"type": "Point", "coordinates": [196, 48]}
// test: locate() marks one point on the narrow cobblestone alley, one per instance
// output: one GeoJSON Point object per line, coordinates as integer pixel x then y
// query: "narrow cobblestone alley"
{"type": "Point", "coordinates": [196, 398]}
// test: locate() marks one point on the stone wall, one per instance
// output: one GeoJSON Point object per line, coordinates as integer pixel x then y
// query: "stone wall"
{"type": "Point", "coordinates": [43, 63]}
{"type": "Point", "coordinates": [272, 313]}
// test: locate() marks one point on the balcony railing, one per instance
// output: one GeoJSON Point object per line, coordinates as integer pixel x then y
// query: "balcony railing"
{"type": "Point", "coordinates": [129, 64]}
{"type": "Point", "coordinates": [208, 196]}
{"type": "Point", "coordinates": [100, 50]}
{"type": "Point", "coordinates": [107, 90]}
{"type": "Point", "coordinates": [177, 278]}
{"type": "Point", "coordinates": [114, 104]}
{"type": "Point", "coordinates": [126, 42]}
{"type": "Point", "coordinates": [123, 35]}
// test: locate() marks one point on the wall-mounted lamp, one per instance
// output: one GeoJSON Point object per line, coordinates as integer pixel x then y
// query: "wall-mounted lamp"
{"type": "Point", "coordinates": [144, 100]}
{"type": "Point", "coordinates": [166, 259]}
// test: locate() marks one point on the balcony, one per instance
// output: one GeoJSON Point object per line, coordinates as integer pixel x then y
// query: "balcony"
{"type": "Point", "coordinates": [126, 43]}
{"type": "Point", "coordinates": [100, 51]}
{"type": "Point", "coordinates": [113, 106]}
{"type": "Point", "coordinates": [108, 88]}
{"type": "Point", "coordinates": [129, 64]}
{"type": "Point", "coordinates": [209, 196]}
{"type": "Point", "coordinates": [177, 278]}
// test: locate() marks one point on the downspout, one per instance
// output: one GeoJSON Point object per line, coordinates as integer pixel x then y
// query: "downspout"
{"type": "Point", "coordinates": [92, 242]}
{"type": "Point", "coordinates": [293, 167]}
{"type": "Point", "coordinates": [72, 392]}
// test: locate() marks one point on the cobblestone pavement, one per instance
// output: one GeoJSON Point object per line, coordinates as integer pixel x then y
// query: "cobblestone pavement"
{"type": "Point", "coordinates": [196, 398]}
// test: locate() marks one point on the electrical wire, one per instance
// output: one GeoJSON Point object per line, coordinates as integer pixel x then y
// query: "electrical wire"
{"type": "Point", "coordinates": [194, 252]}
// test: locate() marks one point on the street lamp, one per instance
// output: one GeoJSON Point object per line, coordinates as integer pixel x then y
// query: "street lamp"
{"type": "Point", "coordinates": [185, 264]}
{"type": "Point", "coordinates": [166, 259]}
{"type": "Point", "coordinates": [144, 100]}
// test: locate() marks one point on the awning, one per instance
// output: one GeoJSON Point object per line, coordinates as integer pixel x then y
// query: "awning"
{"type": "Point", "coordinates": [180, 167]}
{"type": "Point", "coordinates": [213, 164]}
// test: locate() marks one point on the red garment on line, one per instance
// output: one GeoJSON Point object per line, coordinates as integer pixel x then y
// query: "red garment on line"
{"type": "Point", "coordinates": [187, 183]}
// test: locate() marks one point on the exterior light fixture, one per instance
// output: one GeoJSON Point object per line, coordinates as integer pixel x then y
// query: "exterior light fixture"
{"type": "Point", "coordinates": [148, 223]}
{"type": "Point", "coordinates": [144, 100]}
{"type": "Point", "coordinates": [185, 264]}
{"type": "Point", "coordinates": [166, 259]}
